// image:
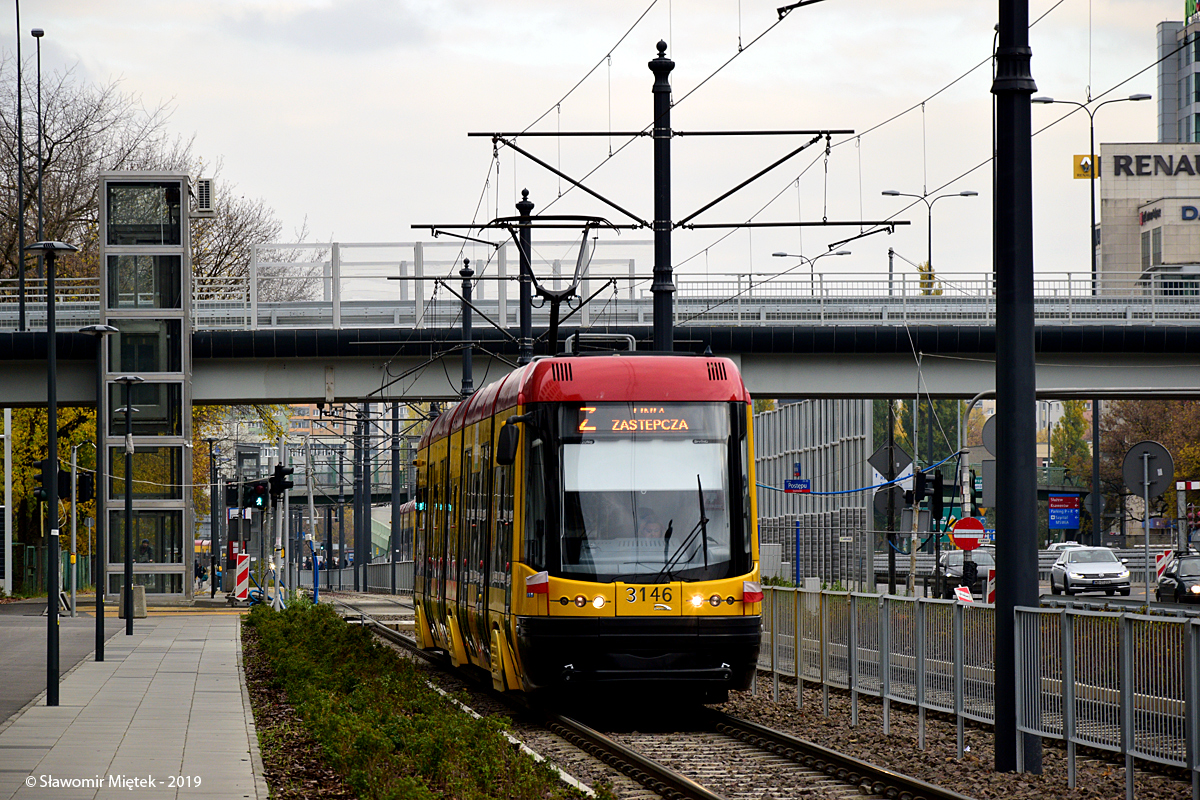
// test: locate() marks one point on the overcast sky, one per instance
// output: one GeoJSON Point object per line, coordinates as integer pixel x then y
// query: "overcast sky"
{"type": "Point", "coordinates": [352, 115]}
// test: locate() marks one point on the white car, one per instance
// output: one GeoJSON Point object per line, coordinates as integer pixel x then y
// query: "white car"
{"type": "Point", "coordinates": [1089, 569]}
{"type": "Point", "coordinates": [1058, 547]}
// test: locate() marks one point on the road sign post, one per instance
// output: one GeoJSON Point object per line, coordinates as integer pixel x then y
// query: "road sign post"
{"type": "Point", "coordinates": [1149, 466]}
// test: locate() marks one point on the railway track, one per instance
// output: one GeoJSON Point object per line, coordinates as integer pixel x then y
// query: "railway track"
{"type": "Point", "coordinates": [708, 756]}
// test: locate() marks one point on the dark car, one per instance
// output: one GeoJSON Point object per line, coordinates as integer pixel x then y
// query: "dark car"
{"type": "Point", "coordinates": [949, 571]}
{"type": "Point", "coordinates": [1089, 569]}
{"type": "Point", "coordinates": [1180, 581]}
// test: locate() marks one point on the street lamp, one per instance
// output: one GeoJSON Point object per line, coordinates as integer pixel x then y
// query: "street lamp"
{"type": "Point", "coordinates": [811, 262]}
{"type": "Point", "coordinates": [1092, 170]}
{"type": "Point", "coordinates": [20, 188]}
{"type": "Point", "coordinates": [101, 546]}
{"type": "Point", "coordinates": [929, 201]}
{"type": "Point", "coordinates": [51, 251]}
{"type": "Point", "coordinates": [1091, 112]}
{"type": "Point", "coordinates": [38, 33]}
{"type": "Point", "coordinates": [129, 381]}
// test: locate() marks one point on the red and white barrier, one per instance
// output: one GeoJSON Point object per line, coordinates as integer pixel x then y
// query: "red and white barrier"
{"type": "Point", "coordinates": [1160, 562]}
{"type": "Point", "coordinates": [241, 585]}
{"type": "Point", "coordinates": [989, 592]}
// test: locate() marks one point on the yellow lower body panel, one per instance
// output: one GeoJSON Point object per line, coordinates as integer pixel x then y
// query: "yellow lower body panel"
{"type": "Point", "coordinates": [458, 652]}
{"type": "Point", "coordinates": [424, 634]}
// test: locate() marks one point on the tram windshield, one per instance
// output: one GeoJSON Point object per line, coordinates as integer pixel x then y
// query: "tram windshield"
{"type": "Point", "coordinates": [646, 492]}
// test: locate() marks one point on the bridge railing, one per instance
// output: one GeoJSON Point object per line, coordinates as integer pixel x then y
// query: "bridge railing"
{"type": "Point", "coordinates": [405, 286]}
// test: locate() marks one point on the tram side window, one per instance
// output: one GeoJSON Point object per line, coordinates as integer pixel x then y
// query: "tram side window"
{"type": "Point", "coordinates": [502, 543]}
{"type": "Point", "coordinates": [535, 510]}
{"type": "Point", "coordinates": [743, 448]}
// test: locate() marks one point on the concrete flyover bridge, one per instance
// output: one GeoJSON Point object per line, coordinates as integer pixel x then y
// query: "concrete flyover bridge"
{"type": "Point", "coordinates": [337, 322]}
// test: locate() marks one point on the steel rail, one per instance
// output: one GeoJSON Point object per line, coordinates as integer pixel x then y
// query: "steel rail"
{"type": "Point", "coordinates": [868, 777]}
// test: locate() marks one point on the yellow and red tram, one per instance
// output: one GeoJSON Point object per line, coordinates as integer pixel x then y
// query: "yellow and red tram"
{"type": "Point", "coordinates": [590, 519]}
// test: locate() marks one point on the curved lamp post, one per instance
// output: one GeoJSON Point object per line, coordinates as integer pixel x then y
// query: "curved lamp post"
{"type": "Point", "coordinates": [929, 201]}
{"type": "Point", "coordinates": [1097, 504]}
{"type": "Point", "coordinates": [50, 251]}
{"type": "Point", "coordinates": [811, 262]}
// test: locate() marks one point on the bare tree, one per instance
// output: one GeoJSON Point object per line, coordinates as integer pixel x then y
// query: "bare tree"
{"type": "Point", "coordinates": [87, 129]}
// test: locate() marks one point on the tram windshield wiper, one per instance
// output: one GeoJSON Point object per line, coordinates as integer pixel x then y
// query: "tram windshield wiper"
{"type": "Point", "coordinates": [700, 527]}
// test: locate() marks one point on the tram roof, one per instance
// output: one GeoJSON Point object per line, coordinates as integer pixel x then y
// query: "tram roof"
{"type": "Point", "coordinates": [620, 377]}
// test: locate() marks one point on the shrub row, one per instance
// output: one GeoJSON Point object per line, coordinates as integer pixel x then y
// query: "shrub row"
{"type": "Point", "coordinates": [380, 725]}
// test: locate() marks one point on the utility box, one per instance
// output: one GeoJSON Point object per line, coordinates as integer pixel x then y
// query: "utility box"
{"type": "Point", "coordinates": [139, 603]}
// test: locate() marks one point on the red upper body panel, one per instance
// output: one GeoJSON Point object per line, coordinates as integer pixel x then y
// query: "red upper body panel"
{"type": "Point", "coordinates": [608, 378]}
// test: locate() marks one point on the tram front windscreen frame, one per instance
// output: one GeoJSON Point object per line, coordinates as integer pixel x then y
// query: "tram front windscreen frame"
{"type": "Point", "coordinates": [649, 493]}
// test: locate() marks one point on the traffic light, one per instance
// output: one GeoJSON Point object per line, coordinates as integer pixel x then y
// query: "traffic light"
{"type": "Point", "coordinates": [64, 485]}
{"type": "Point", "coordinates": [970, 572]}
{"type": "Point", "coordinates": [257, 494]}
{"type": "Point", "coordinates": [919, 488]}
{"type": "Point", "coordinates": [279, 481]}
{"type": "Point", "coordinates": [86, 489]}
{"type": "Point", "coordinates": [231, 495]}
{"type": "Point", "coordinates": [41, 492]}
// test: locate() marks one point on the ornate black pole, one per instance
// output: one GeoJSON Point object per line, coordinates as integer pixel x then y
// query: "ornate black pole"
{"type": "Point", "coordinates": [468, 379]}
{"type": "Point", "coordinates": [51, 251]}
{"type": "Point", "coordinates": [1016, 503]}
{"type": "Point", "coordinates": [394, 542]}
{"type": "Point", "coordinates": [525, 299]}
{"type": "Point", "coordinates": [663, 287]}
{"type": "Point", "coordinates": [101, 493]}
{"type": "Point", "coordinates": [127, 591]}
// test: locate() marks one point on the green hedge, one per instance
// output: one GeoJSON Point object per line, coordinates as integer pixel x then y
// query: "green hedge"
{"type": "Point", "coordinates": [380, 725]}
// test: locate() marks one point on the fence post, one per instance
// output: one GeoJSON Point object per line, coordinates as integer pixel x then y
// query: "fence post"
{"type": "Point", "coordinates": [919, 652]}
{"type": "Point", "coordinates": [825, 652]}
{"type": "Point", "coordinates": [254, 288]}
{"type": "Point", "coordinates": [959, 650]}
{"type": "Point", "coordinates": [798, 651]}
{"type": "Point", "coordinates": [1066, 623]}
{"type": "Point", "coordinates": [885, 661]}
{"type": "Point", "coordinates": [774, 647]}
{"type": "Point", "coordinates": [1124, 644]}
{"type": "Point", "coordinates": [1191, 703]}
{"type": "Point", "coordinates": [335, 267]}
{"type": "Point", "coordinates": [853, 660]}
{"type": "Point", "coordinates": [418, 285]}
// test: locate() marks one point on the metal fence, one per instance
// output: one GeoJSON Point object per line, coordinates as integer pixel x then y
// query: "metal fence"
{"type": "Point", "coordinates": [378, 578]}
{"type": "Point", "coordinates": [409, 284]}
{"type": "Point", "coordinates": [1123, 682]}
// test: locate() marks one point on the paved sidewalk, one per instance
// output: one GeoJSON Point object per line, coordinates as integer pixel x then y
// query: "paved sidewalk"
{"type": "Point", "coordinates": [167, 706]}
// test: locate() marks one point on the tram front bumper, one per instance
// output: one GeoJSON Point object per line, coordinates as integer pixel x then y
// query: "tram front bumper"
{"type": "Point", "coordinates": [698, 651]}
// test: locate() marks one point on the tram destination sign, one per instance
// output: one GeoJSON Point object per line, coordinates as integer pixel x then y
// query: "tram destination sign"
{"type": "Point", "coordinates": [618, 420]}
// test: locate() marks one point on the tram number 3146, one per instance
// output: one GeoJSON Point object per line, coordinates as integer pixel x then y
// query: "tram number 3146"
{"type": "Point", "coordinates": [658, 595]}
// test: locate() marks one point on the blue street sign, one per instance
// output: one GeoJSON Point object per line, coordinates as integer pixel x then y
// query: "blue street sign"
{"type": "Point", "coordinates": [795, 469]}
{"type": "Point", "coordinates": [798, 485]}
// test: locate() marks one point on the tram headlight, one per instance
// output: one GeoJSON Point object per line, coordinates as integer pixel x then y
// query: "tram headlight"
{"type": "Point", "coordinates": [1194, 588]}
{"type": "Point", "coordinates": [580, 600]}
{"type": "Point", "coordinates": [697, 601]}
{"type": "Point", "coordinates": [715, 600]}
{"type": "Point", "coordinates": [598, 601]}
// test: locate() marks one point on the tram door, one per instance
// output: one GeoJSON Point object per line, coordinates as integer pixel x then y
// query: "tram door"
{"type": "Point", "coordinates": [474, 555]}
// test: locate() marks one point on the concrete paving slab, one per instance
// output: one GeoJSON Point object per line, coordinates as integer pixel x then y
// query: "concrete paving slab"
{"type": "Point", "coordinates": [169, 701]}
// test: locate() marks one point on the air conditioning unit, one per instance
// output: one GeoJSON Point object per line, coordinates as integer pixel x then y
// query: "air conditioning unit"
{"type": "Point", "coordinates": [204, 198]}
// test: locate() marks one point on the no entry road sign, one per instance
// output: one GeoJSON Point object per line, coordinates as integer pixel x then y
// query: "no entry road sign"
{"type": "Point", "coordinates": [967, 533]}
